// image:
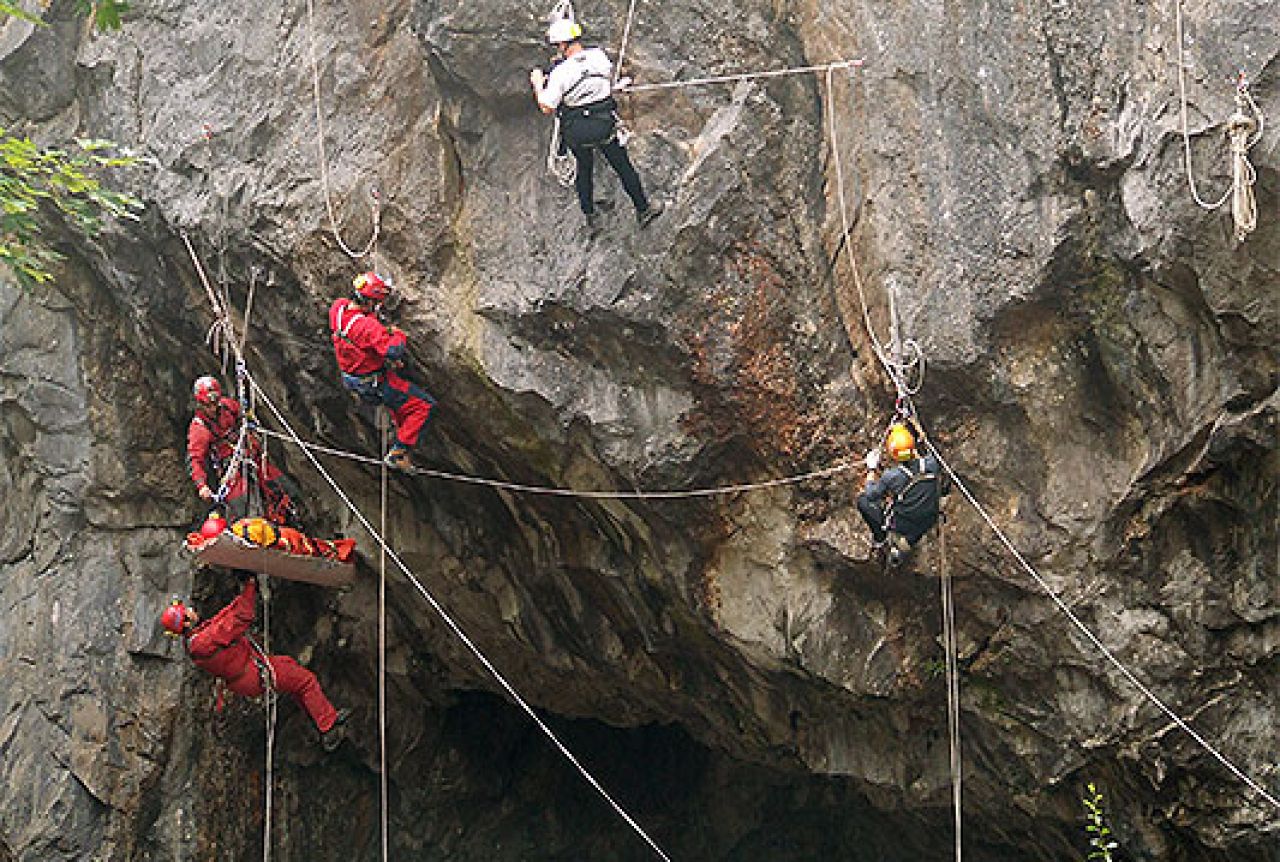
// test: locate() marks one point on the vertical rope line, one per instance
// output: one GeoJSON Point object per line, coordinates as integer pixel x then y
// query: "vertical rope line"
{"type": "Point", "coordinates": [953, 684]}
{"type": "Point", "coordinates": [269, 696]}
{"type": "Point", "coordinates": [382, 641]}
{"type": "Point", "coordinates": [622, 50]}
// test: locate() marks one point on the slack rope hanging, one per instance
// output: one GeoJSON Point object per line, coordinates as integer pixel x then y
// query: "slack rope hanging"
{"type": "Point", "coordinates": [375, 206]}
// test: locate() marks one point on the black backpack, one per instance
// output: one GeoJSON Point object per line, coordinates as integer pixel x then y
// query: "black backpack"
{"type": "Point", "coordinates": [917, 503]}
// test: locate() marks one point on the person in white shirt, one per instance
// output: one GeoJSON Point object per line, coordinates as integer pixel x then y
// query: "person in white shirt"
{"type": "Point", "coordinates": [579, 91]}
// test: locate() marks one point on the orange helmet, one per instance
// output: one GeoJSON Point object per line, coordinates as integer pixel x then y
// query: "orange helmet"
{"type": "Point", "coordinates": [206, 390]}
{"type": "Point", "coordinates": [371, 286]}
{"type": "Point", "coordinates": [175, 618]}
{"type": "Point", "coordinates": [900, 445]}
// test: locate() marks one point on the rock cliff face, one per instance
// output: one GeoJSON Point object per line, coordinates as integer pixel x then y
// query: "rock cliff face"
{"type": "Point", "coordinates": [1101, 370]}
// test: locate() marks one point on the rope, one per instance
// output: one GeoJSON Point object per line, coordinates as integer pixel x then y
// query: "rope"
{"type": "Point", "coordinates": [382, 641]}
{"type": "Point", "coordinates": [622, 49]}
{"type": "Point", "coordinates": [905, 401]}
{"type": "Point", "coordinates": [270, 697]}
{"type": "Point", "coordinates": [375, 208]}
{"type": "Point", "coordinates": [744, 76]}
{"type": "Point", "coordinates": [549, 490]}
{"type": "Point", "coordinates": [1243, 131]}
{"type": "Point", "coordinates": [953, 683]}
{"type": "Point", "coordinates": [564, 167]}
{"type": "Point", "coordinates": [456, 629]}
{"type": "Point", "coordinates": [896, 371]}
{"type": "Point", "coordinates": [1101, 647]}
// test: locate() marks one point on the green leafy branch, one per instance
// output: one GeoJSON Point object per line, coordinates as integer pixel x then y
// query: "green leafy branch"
{"type": "Point", "coordinates": [105, 13]}
{"type": "Point", "coordinates": [31, 178]}
{"type": "Point", "coordinates": [1100, 840]}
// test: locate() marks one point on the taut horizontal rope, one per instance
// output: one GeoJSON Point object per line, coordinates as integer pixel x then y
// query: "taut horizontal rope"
{"type": "Point", "coordinates": [549, 490]}
{"type": "Point", "coordinates": [744, 76]}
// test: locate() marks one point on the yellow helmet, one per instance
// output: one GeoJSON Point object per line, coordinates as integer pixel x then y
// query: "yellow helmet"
{"type": "Point", "coordinates": [900, 445]}
{"type": "Point", "coordinates": [259, 531]}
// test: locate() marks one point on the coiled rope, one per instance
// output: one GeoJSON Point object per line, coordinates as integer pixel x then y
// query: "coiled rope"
{"type": "Point", "coordinates": [1243, 131]}
{"type": "Point", "coordinates": [375, 206]}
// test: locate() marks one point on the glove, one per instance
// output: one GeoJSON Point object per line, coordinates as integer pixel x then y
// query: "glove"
{"type": "Point", "coordinates": [206, 493]}
{"type": "Point", "coordinates": [873, 459]}
{"type": "Point", "coordinates": [537, 78]}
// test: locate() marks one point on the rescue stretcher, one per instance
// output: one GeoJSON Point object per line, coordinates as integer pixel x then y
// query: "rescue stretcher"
{"type": "Point", "coordinates": [230, 551]}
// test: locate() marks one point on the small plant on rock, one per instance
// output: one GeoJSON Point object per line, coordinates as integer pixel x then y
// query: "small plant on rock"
{"type": "Point", "coordinates": [1100, 842]}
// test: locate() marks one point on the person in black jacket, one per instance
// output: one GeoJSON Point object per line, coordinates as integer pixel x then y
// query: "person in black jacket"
{"type": "Point", "coordinates": [902, 504]}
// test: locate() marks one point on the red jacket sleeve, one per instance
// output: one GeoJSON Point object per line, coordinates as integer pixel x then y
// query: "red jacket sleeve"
{"type": "Point", "coordinates": [228, 625]}
{"type": "Point", "coordinates": [198, 439]}
{"type": "Point", "coordinates": [370, 334]}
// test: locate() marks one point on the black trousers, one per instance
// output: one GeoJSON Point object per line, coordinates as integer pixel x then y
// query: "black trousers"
{"type": "Point", "coordinates": [873, 514]}
{"type": "Point", "coordinates": [616, 155]}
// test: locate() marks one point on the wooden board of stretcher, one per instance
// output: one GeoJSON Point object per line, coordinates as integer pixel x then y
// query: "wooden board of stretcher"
{"type": "Point", "coordinates": [231, 551]}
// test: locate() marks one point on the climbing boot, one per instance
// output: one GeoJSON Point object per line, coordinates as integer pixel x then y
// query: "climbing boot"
{"type": "Point", "coordinates": [398, 459]}
{"type": "Point", "coordinates": [646, 216]}
{"type": "Point", "coordinates": [594, 225]}
{"type": "Point", "coordinates": [332, 738]}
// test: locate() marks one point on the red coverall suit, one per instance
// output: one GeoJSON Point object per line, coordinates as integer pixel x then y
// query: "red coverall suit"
{"type": "Point", "coordinates": [219, 646]}
{"type": "Point", "coordinates": [364, 347]}
{"type": "Point", "coordinates": [210, 445]}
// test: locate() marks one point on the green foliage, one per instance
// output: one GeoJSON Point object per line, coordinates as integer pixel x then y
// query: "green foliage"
{"type": "Point", "coordinates": [7, 9]}
{"type": "Point", "coordinates": [32, 178]}
{"type": "Point", "coordinates": [106, 13]}
{"type": "Point", "coordinates": [1100, 842]}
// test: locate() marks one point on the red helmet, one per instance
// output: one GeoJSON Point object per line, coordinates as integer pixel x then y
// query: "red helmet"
{"type": "Point", "coordinates": [174, 618]}
{"type": "Point", "coordinates": [213, 525]}
{"type": "Point", "coordinates": [207, 390]}
{"type": "Point", "coordinates": [371, 286]}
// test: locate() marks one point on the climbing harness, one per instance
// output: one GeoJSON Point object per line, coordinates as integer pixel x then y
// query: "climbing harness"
{"type": "Point", "coordinates": [1244, 129]}
{"type": "Point", "coordinates": [375, 200]}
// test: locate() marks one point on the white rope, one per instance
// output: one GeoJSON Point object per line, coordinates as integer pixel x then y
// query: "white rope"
{"type": "Point", "coordinates": [1255, 785]}
{"type": "Point", "coordinates": [562, 166]}
{"type": "Point", "coordinates": [375, 208]}
{"type": "Point", "coordinates": [744, 76]}
{"type": "Point", "coordinates": [953, 686]}
{"type": "Point", "coordinates": [549, 490]}
{"type": "Point", "coordinates": [622, 49]}
{"type": "Point", "coordinates": [382, 641]}
{"type": "Point", "coordinates": [457, 630]}
{"type": "Point", "coordinates": [270, 702]}
{"type": "Point", "coordinates": [899, 384]}
{"type": "Point", "coordinates": [895, 373]}
{"type": "Point", "coordinates": [1243, 132]}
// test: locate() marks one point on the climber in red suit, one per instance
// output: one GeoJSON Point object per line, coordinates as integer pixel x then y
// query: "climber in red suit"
{"type": "Point", "coordinates": [211, 443]}
{"type": "Point", "coordinates": [221, 647]}
{"type": "Point", "coordinates": [370, 355]}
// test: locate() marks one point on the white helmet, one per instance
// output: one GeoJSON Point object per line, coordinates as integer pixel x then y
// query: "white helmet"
{"type": "Point", "coordinates": [563, 30]}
